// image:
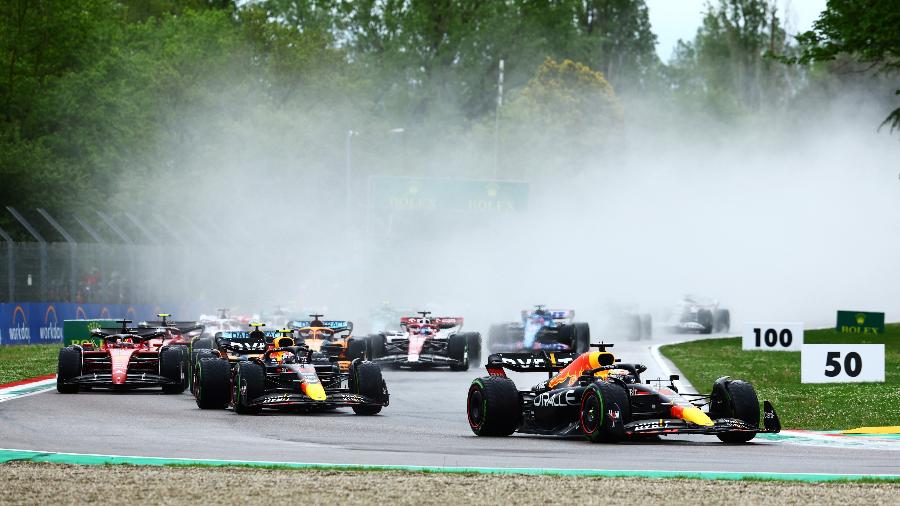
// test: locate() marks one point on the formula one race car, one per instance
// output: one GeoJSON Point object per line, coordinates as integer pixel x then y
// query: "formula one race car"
{"type": "Point", "coordinates": [541, 329]}
{"type": "Point", "coordinates": [698, 315]}
{"type": "Point", "coordinates": [626, 321]}
{"type": "Point", "coordinates": [288, 377]}
{"type": "Point", "coordinates": [594, 395]}
{"type": "Point", "coordinates": [220, 322]}
{"type": "Point", "coordinates": [331, 337]}
{"type": "Point", "coordinates": [126, 359]}
{"type": "Point", "coordinates": [178, 333]}
{"type": "Point", "coordinates": [233, 345]}
{"type": "Point", "coordinates": [427, 341]}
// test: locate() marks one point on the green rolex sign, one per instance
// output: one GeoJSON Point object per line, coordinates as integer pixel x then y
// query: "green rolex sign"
{"type": "Point", "coordinates": [860, 322]}
{"type": "Point", "coordinates": [79, 331]}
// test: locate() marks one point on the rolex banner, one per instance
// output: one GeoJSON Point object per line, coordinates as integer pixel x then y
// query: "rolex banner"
{"type": "Point", "coordinates": [860, 322]}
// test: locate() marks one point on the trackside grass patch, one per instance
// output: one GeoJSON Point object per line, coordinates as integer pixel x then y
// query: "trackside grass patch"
{"type": "Point", "coordinates": [27, 361]}
{"type": "Point", "coordinates": [776, 376]}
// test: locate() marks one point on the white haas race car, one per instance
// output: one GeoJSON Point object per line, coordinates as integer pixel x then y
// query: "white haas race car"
{"type": "Point", "coordinates": [426, 341]}
{"type": "Point", "coordinates": [699, 315]}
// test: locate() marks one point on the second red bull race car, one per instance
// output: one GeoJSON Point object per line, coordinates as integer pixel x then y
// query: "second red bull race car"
{"type": "Point", "coordinates": [595, 396]}
{"type": "Point", "coordinates": [284, 376]}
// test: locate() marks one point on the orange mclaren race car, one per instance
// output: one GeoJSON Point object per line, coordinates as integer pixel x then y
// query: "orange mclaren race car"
{"type": "Point", "coordinates": [594, 395]}
{"type": "Point", "coordinates": [332, 338]}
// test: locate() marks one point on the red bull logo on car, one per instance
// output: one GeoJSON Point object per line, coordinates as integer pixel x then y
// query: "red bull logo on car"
{"type": "Point", "coordinates": [51, 330]}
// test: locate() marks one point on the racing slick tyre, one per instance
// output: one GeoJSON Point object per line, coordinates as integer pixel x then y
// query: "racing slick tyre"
{"type": "Point", "coordinates": [197, 345]}
{"type": "Point", "coordinates": [171, 367]}
{"type": "Point", "coordinates": [458, 350]}
{"type": "Point", "coordinates": [473, 340]}
{"type": "Point", "coordinates": [597, 417]}
{"type": "Point", "coordinates": [705, 318]}
{"type": "Point", "coordinates": [365, 379]}
{"type": "Point", "coordinates": [493, 406]}
{"type": "Point", "coordinates": [581, 337]}
{"type": "Point", "coordinates": [376, 346]}
{"type": "Point", "coordinates": [67, 367]}
{"type": "Point", "coordinates": [721, 320]}
{"type": "Point", "coordinates": [646, 327]}
{"type": "Point", "coordinates": [211, 378]}
{"type": "Point", "coordinates": [734, 399]}
{"type": "Point", "coordinates": [356, 348]}
{"type": "Point", "coordinates": [249, 383]}
{"type": "Point", "coordinates": [192, 371]}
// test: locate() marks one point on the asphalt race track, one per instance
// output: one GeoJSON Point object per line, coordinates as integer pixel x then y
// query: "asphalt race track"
{"type": "Point", "coordinates": [424, 425]}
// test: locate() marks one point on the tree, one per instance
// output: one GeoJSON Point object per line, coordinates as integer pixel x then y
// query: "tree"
{"type": "Point", "coordinates": [618, 38]}
{"type": "Point", "coordinates": [567, 114]}
{"type": "Point", "coordinates": [41, 44]}
{"type": "Point", "coordinates": [729, 59]}
{"type": "Point", "coordinates": [868, 30]}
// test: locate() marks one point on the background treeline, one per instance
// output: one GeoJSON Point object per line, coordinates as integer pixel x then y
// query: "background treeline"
{"type": "Point", "coordinates": [98, 96]}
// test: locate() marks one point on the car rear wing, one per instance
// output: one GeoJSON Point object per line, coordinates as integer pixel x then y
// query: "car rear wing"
{"type": "Point", "coordinates": [142, 333]}
{"type": "Point", "coordinates": [441, 322]}
{"type": "Point", "coordinates": [551, 361]}
{"type": "Point", "coordinates": [559, 315]}
{"type": "Point", "coordinates": [181, 327]}
{"type": "Point", "coordinates": [335, 325]}
{"type": "Point", "coordinates": [245, 334]}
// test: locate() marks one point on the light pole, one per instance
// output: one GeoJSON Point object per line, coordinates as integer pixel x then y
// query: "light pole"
{"type": "Point", "coordinates": [348, 175]}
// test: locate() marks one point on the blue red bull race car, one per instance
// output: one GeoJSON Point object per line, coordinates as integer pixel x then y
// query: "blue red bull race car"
{"type": "Point", "coordinates": [594, 395]}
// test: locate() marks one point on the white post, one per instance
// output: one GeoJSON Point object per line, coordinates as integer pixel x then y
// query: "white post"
{"type": "Point", "coordinates": [497, 121]}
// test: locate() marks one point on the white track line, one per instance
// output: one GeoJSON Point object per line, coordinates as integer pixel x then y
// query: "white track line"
{"type": "Point", "coordinates": [682, 384]}
{"type": "Point", "coordinates": [8, 394]}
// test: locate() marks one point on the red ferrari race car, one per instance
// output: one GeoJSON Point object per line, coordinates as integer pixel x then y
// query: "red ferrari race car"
{"type": "Point", "coordinates": [427, 341]}
{"type": "Point", "coordinates": [125, 360]}
{"type": "Point", "coordinates": [176, 332]}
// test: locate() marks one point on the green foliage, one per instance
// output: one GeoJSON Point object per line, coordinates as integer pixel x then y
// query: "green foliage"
{"type": "Point", "coordinates": [869, 31]}
{"type": "Point", "coordinates": [728, 64]}
{"type": "Point", "coordinates": [776, 377]}
{"type": "Point", "coordinates": [100, 95]}
{"type": "Point", "coordinates": [567, 109]}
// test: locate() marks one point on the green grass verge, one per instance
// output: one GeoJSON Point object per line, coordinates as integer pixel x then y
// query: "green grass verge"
{"type": "Point", "coordinates": [27, 361]}
{"type": "Point", "coordinates": [776, 376]}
